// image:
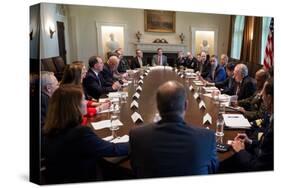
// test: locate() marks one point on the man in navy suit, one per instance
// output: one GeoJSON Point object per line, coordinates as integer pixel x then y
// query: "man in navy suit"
{"type": "Point", "coordinates": [172, 147]}
{"type": "Point", "coordinates": [94, 84]}
{"type": "Point", "coordinates": [138, 61]}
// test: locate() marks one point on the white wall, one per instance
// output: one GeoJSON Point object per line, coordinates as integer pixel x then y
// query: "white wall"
{"type": "Point", "coordinates": [48, 46]}
{"type": "Point", "coordinates": [83, 32]}
{"type": "Point", "coordinates": [34, 22]}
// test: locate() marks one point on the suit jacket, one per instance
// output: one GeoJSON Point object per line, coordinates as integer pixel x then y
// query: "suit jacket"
{"type": "Point", "coordinates": [108, 75]}
{"type": "Point", "coordinates": [95, 87]}
{"type": "Point", "coordinates": [72, 154]}
{"type": "Point", "coordinates": [123, 65]}
{"type": "Point", "coordinates": [227, 86]}
{"type": "Point", "coordinates": [219, 75]}
{"type": "Point", "coordinates": [247, 88]}
{"type": "Point", "coordinates": [205, 69]}
{"type": "Point", "coordinates": [136, 64]}
{"type": "Point", "coordinates": [181, 62]}
{"type": "Point", "coordinates": [261, 157]}
{"type": "Point", "coordinates": [44, 107]}
{"type": "Point", "coordinates": [172, 148]}
{"type": "Point", "coordinates": [155, 60]}
{"type": "Point", "coordinates": [192, 64]}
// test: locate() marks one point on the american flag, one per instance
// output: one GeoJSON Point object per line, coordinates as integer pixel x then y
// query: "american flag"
{"type": "Point", "coordinates": [268, 56]}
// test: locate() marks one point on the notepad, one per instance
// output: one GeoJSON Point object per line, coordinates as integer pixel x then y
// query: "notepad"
{"type": "Point", "coordinates": [105, 124]}
{"type": "Point", "coordinates": [105, 111]}
{"type": "Point", "coordinates": [236, 121]}
{"type": "Point", "coordinates": [210, 89]}
{"type": "Point", "coordinates": [114, 94]}
{"type": "Point", "coordinates": [102, 100]}
{"type": "Point", "coordinates": [121, 139]}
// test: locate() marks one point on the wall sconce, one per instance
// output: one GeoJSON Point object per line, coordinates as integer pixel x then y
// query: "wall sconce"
{"type": "Point", "coordinates": [52, 31]}
{"type": "Point", "coordinates": [31, 35]}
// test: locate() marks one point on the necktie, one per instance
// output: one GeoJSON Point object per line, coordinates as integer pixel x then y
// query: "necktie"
{"type": "Point", "coordinates": [159, 60]}
{"type": "Point", "coordinates": [99, 79]}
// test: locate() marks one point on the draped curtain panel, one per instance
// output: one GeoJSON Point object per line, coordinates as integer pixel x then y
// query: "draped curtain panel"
{"type": "Point", "coordinates": [231, 28]}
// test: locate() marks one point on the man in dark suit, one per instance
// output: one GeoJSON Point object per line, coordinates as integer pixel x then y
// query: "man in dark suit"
{"type": "Point", "coordinates": [94, 84]}
{"type": "Point", "coordinates": [138, 61]}
{"type": "Point", "coordinates": [254, 155]}
{"type": "Point", "coordinates": [123, 65]}
{"type": "Point", "coordinates": [204, 66]}
{"type": "Point", "coordinates": [217, 73]}
{"type": "Point", "coordinates": [227, 86]}
{"type": "Point", "coordinates": [180, 61]}
{"type": "Point", "coordinates": [109, 72]}
{"type": "Point", "coordinates": [172, 147]}
{"type": "Point", "coordinates": [245, 86]}
{"type": "Point", "coordinates": [159, 58]}
{"type": "Point", "coordinates": [191, 61]}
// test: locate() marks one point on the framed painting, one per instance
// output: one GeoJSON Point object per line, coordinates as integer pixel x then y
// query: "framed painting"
{"type": "Point", "coordinates": [160, 21]}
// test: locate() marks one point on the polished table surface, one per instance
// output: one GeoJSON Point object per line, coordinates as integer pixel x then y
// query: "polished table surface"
{"type": "Point", "coordinates": [148, 107]}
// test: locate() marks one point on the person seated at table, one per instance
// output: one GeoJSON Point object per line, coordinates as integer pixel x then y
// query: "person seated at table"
{"type": "Point", "coordinates": [74, 74]}
{"type": "Point", "coordinates": [49, 84]}
{"type": "Point", "coordinates": [180, 61]}
{"type": "Point", "coordinates": [94, 83]}
{"type": "Point", "coordinates": [172, 147]}
{"type": "Point", "coordinates": [244, 85]}
{"type": "Point", "coordinates": [224, 60]}
{"type": "Point", "coordinates": [159, 58]}
{"type": "Point", "coordinates": [227, 86]}
{"type": "Point", "coordinates": [253, 107]}
{"type": "Point", "coordinates": [191, 61]}
{"type": "Point", "coordinates": [123, 65]}
{"type": "Point", "coordinates": [138, 61]}
{"type": "Point", "coordinates": [110, 72]}
{"type": "Point", "coordinates": [72, 151]}
{"type": "Point", "coordinates": [254, 155]}
{"type": "Point", "coordinates": [204, 67]}
{"type": "Point", "coordinates": [217, 72]}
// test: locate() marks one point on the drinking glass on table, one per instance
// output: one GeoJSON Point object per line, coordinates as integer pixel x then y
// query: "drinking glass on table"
{"type": "Point", "coordinates": [234, 100]}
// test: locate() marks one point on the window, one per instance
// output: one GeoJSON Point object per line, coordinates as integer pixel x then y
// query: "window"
{"type": "Point", "coordinates": [237, 37]}
{"type": "Point", "coordinates": [265, 30]}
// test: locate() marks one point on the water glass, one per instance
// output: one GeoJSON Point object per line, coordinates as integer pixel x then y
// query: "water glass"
{"type": "Point", "coordinates": [113, 119]}
{"type": "Point", "coordinates": [220, 127]}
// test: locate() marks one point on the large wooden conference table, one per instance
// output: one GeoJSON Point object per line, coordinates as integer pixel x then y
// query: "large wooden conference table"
{"type": "Point", "coordinates": [148, 107]}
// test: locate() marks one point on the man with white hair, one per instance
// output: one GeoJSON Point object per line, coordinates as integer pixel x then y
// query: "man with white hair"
{"type": "Point", "coordinates": [49, 84]}
{"type": "Point", "coordinates": [245, 85]}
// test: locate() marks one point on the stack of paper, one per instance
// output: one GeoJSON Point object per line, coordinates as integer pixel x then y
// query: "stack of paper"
{"type": "Point", "coordinates": [236, 121]}
{"type": "Point", "coordinates": [210, 89]}
{"type": "Point", "coordinates": [198, 83]}
{"type": "Point", "coordinates": [122, 139]}
{"type": "Point", "coordinates": [105, 124]}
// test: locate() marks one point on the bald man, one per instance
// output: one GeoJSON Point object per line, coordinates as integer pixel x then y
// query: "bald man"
{"type": "Point", "coordinates": [109, 68]}
{"type": "Point", "coordinates": [252, 107]}
{"type": "Point", "coordinates": [172, 147]}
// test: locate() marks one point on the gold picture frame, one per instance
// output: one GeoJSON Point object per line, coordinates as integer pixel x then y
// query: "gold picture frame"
{"type": "Point", "coordinates": [160, 21]}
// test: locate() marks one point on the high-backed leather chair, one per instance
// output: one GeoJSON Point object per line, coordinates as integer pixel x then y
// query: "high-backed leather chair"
{"type": "Point", "coordinates": [47, 64]}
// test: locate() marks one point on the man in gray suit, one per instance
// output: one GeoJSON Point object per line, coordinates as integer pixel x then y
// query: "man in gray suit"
{"type": "Point", "coordinates": [159, 58]}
